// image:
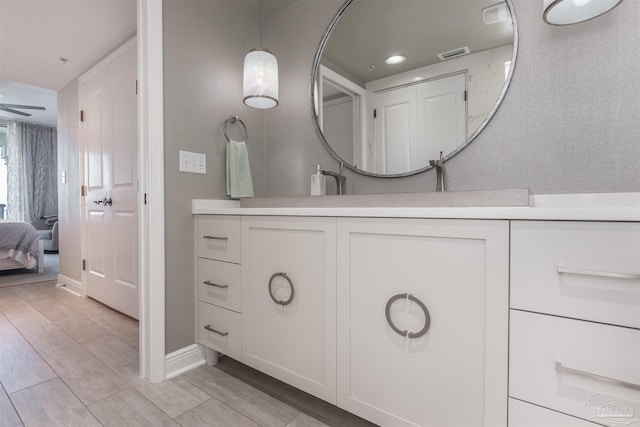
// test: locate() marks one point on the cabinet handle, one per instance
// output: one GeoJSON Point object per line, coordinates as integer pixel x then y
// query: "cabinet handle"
{"type": "Point", "coordinates": [206, 282]}
{"type": "Point", "coordinates": [215, 238]}
{"type": "Point", "coordinates": [560, 368]}
{"type": "Point", "coordinates": [281, 302]}
{"type": "Point", "coordinates": [427, 317]}
{"type": "Point", "coordinates": [615, 275]}
{"type": "Point", "coordinates": [209, 328]}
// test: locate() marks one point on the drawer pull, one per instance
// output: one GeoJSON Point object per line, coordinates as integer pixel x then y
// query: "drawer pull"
{"type": "Point", "coordinates": [222, 334]}
{"type": "Point", "coordinates": [281, 302]}
{"type": "Point", "coordinates": [427, 317]}
{"type": "Point", "coordinates": [206, 282]}
{"type": "Point", "coordinates": [215, 238]}
{"type": "Point", "coordinates": [560, 368]}
{"type": "Point", "coordinates": [566, 270]}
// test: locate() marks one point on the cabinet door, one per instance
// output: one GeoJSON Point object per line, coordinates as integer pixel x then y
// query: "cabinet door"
{"type": "Point", "coordinates": [582, 270]}
{"type": "Point", "coordinates": [456, 373]}
{"type": "Point", "coordinates": [585, 369]}
{"type": "Point", "coordinates": [289, 315]}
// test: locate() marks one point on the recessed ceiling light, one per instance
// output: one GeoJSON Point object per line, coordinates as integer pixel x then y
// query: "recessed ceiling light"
{"type": "Point", "coordinates": [395, 59]}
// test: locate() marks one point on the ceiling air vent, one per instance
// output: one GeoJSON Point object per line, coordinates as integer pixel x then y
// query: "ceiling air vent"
{"type": "Point", "coordinates": [453, 53]}
{"type": "Point", "coordinates": [496, 13]}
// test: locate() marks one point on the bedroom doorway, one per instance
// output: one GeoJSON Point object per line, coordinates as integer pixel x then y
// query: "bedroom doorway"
{"type": "Point", "coordinates": [109, 134]}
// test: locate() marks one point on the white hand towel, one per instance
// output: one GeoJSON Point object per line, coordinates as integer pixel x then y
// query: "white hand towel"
{"type": "Point", "coordinates": [239, 181]}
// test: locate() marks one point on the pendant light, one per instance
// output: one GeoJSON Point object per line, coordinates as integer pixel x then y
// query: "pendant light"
{"type": "Point", "coordinates": [260, 80]}
{"type": "Point", "coordinates": [565, 12]}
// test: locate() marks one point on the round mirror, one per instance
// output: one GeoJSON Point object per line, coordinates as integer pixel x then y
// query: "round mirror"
{"type": "Point", "coordinates": [397, 83]}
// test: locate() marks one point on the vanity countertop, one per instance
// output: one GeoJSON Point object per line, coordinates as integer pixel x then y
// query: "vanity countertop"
{"type": "Point", "coordinates": [570, 207]}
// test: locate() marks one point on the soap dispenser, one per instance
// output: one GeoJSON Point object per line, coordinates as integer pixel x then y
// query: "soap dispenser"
{"type": "Point", "coordinates": [318, 183]}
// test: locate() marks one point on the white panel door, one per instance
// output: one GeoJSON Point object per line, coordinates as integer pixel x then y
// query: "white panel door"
{"type": "Point", "coordinates": [442, 116]}
{"type": "Point", "coordinates": [414, 123]}
{"type": "Point", "coordinates": [111, 218]}
{"type": "Point", "coordinates": [395, 130]}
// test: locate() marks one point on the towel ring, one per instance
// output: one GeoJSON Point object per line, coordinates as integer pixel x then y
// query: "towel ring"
{"type": "Point", "coordinates": [233, 119]}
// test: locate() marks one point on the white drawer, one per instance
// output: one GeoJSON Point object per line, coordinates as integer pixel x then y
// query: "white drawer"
{"type": "Point", "coordinates": [218, 237]}
{"type": "Point", "coordinates": [584, 270]}
{"type": "Point", "coordinates": [220, 329]}
{"type": "Point", "coordinates": [522, 414]}
{"type": "Point", "coordinates": [219, 283]}
{"type": "Point", "coordinates": [588, 354]}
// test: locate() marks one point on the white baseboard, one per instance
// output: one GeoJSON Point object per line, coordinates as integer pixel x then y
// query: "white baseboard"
{"type": "Point", "coordinates": [69, 284]}
{"type": "Point", "coordinates": [183, 360]}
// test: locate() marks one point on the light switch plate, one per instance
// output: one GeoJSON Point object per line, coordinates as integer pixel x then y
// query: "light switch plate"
{"type": "Point", "coordinates": [193, 162]}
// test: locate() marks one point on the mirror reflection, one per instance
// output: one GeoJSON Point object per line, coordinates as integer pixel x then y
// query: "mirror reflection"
{"type": "Point", "coordinates": [399, 81]}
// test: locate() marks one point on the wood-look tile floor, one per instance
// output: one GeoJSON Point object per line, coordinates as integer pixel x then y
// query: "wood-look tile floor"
{"type": "Point", "coordinates": [71, 361]}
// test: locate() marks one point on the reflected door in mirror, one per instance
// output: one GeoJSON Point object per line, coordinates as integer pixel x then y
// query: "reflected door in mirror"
{"type": "Point", "coordinates": [414, 123]}
{"type": "Point", "coordinates": [338, 117]}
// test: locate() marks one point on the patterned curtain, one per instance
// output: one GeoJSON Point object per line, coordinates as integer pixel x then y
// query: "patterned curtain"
{"type": "Point", "coordinates": [32, 169]}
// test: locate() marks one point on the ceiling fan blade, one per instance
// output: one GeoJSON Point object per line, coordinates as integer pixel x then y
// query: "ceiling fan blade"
{"type": "Point", "coordinates": [23, 107]}
{"type": "Point", "coordinates": [10, 110]}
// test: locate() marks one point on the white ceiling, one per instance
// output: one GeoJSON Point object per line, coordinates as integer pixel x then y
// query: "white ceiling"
{"type": "Point", "coordinates": [269, 7]}
{"type": "Point", "coordinates": [371, 30]}
{"type": "Point", "coordinates": [265, 8]}
{"type": "Point", "coordinates": [35, 34]}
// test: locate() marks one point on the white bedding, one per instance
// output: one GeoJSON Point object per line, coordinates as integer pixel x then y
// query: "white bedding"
{"type": "Point", "coordinates": [19, 246]}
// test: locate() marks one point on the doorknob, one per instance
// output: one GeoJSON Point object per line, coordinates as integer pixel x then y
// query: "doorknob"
{"type": "Point", "coordinates": [107, 202]}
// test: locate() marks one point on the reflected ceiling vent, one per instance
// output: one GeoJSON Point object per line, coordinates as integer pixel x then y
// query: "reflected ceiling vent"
{"type": "Point", "coordinates": [496, 13]}
{"type": "Point", "coordinates": [454, 53]}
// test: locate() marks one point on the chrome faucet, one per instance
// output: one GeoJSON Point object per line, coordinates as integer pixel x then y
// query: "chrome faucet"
{"type": "Point", "coordinates": [439, 165]}
{"type": "Point", "coordinates": [341, 180]}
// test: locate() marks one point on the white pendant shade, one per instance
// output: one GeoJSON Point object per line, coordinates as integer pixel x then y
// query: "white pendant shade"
{"type": "Point", "coordinates": [260, 82]}
{"type": "Point", "coordinates": [565, 12]}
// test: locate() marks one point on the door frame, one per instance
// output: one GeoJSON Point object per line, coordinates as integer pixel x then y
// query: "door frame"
{"type": "Point", "coordinates": [151, 184]}
{"type": "Point", "coordinates": [151, 275]}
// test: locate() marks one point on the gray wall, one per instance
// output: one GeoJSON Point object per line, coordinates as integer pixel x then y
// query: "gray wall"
{"type": "Point", "coordinates": [205, 43]}
{"type": "Point", "coordinates": [568, 124]}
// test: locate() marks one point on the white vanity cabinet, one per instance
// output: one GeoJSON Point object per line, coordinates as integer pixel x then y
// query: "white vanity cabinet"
{"type": "Point", "coordinates": [464, 320]}
{"type": "Point", "coordinates": [289, 301]}
{"type": "Point", "coordinates": [391, 272]}
{"type": "Point", "coordinates": [218, 288]}
{"type": "Point", "coordinates": [575, 320]}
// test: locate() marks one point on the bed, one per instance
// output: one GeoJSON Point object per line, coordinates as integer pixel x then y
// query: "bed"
{"type": "Point", "coordinates": [20, 246]}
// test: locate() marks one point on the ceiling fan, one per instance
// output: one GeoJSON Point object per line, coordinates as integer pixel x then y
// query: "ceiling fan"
{"type": "Point", "coordinates": [11, 108]}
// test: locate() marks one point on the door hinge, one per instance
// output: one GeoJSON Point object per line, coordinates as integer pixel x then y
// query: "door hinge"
{"type": "Point", "coordinates": [136, 87]}
{"type": "Point", "coordinates": [375, 113]}
{"type": "Point", "coordinates": [82, 115]}
{"type": "Point", "coordinates": [145, 199]}
{"type": "Point", "coordinates": [83, 190]}
{"type": "Point", "coordinates": [84, 264]}
{"type": "Point", "coordinates": [465, 95]}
